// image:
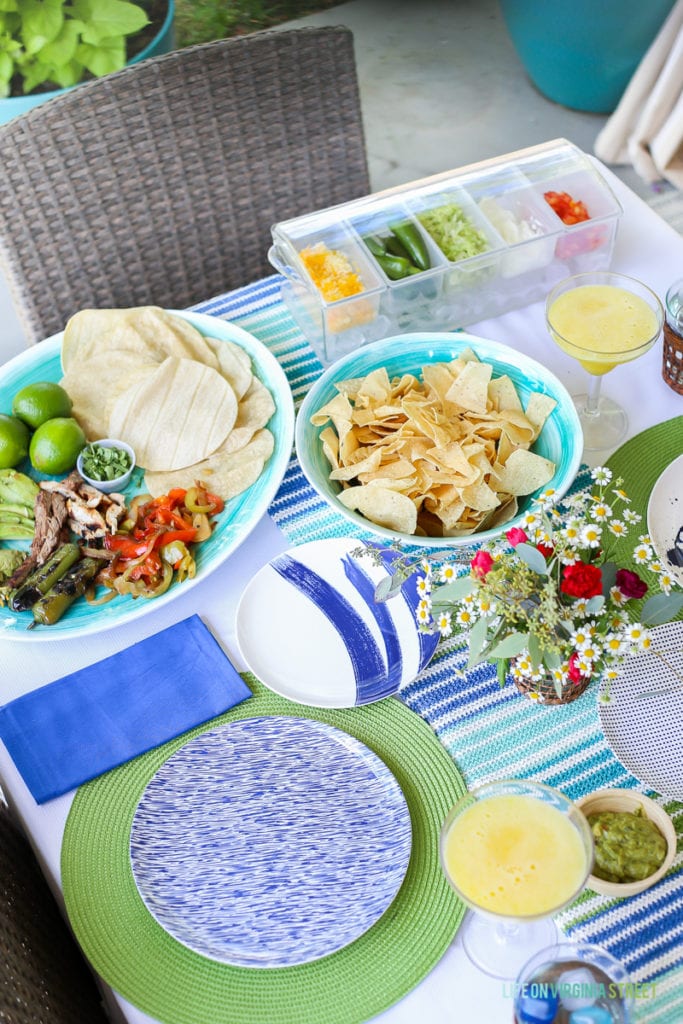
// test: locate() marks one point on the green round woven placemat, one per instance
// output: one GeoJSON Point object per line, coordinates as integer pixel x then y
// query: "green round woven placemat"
{"type": "Point", "coordinates": [171, 983]}
{"type": "Point", "coordinates": [639, 462]}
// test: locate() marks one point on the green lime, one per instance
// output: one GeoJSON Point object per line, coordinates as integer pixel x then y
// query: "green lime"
{"type": "Point", "coordinates": [56, 444]}
{"type": "Point", "coordinates": [39, 402]}
{"type": "Point", "coordinates": [14, 438]}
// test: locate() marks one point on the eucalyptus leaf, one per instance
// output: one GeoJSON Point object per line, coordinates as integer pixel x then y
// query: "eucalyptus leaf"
{"type": "Point", "coordinates": [595, 604]}
{"type": "Point", "coordinates": [455, 591]}
{"type": "Point", "coordinates": [551, 660]}
{"type": "Point", "coordinates": [383, 589]}
{"type": "Point", "coordinates": [510, 646]}
{"type": "Point", "coordinates": [532, 557]}
{"type": "Point", "coordinates": [477, 641]}
{"type": "Point", "coordinates": [535, 652]}
{"type": "Point", "coordinates": [609, 577]}
{"type": "Point", "coordinates": [502, 668]}
{"type": "Point", "coordinates": [661, 608]}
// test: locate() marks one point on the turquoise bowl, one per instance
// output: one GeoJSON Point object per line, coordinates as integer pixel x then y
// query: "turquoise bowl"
{"type": "Point", "coordinates": [561, 439]}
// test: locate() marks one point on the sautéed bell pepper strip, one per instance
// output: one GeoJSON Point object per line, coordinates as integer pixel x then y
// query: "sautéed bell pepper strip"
{"type": "Point", "coordinates": [157, 541]}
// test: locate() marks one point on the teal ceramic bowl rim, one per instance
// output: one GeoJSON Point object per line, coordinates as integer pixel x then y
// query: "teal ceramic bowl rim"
{"type": "Point", "coordinates": [561, 438]}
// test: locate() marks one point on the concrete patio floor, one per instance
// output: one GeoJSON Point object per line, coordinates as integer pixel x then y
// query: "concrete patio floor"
{"type": "Point", "coordinates": [441, 86]}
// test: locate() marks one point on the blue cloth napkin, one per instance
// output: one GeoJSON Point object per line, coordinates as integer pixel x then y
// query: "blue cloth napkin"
{"type": "Point", "coordinates": [80, 726]}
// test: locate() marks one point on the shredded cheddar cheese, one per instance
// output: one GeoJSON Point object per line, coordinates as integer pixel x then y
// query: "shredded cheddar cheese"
{"type": "Point", "coordinates": [331, 272]}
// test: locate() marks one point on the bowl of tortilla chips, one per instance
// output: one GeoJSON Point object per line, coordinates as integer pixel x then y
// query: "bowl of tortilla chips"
{"type": "Point", "coordinates": [437, 440]}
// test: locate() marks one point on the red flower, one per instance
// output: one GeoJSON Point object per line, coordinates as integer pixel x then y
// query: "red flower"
{"type": "Point", "coordinates": [546, 550]}
{"type": "Point", "coordinates": [630, 584]}
{"type": "Point", "coordinates": [581, 580]}
{"type": "Point", "coordinates": [481, 564]}
{"type": "Point", "coordinates": [573, 670]}
{"type": "Point", "coordinates": [516, 536]}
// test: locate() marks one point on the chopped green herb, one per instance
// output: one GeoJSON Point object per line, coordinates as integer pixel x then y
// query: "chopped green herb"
{"type": "Point", "coordinates": [101, 463]}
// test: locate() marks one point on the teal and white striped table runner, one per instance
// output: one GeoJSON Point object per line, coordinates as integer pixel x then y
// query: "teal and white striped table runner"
{"type": "Point", "coordinates": [492, 732]}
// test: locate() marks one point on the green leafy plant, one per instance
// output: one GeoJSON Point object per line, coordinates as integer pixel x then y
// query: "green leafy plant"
{"type": "Point", "coordinates": [61, 42]}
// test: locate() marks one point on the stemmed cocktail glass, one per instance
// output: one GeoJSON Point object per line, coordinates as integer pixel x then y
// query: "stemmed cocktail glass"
{"type": "Point", "coordinates": [602, 319]}
{"type": "Point", "coordinates": [516, 852]}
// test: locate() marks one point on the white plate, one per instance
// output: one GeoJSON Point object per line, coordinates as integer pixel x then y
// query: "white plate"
{"type": "Point", "coordinates": [43, 362]}
{"type": "Point", "coordinates": [308, 626]}
{"type": "Point", "coordinates": [665, 517]}
{"type": "Point", "coordinates": [270, 842]}
{"type": "Point", "coordinates": [645, 734]}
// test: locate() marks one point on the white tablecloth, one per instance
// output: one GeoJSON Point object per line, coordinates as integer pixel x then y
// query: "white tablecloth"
{"type": "Point", "coordinates": [648, 249]}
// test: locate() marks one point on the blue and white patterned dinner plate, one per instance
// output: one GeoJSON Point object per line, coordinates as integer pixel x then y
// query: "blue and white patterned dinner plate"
{"type": "Point", "coordinates": [270, 842]}
{"type": "Point", "coordinates": [309, 627]}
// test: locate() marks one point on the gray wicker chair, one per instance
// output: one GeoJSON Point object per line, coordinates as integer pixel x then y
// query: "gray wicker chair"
{"type": "Point", "coordinates": [159, 183]}
{"type": "Point", "coordinates": [43, 978]}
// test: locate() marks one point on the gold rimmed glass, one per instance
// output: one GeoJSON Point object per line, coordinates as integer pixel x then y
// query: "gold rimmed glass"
{"type": "Point", "coordinates": [603, 319]}
{"type": "Point", "coordinates": [516, 852]}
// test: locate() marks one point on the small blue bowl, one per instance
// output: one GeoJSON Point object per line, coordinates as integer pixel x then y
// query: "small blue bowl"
{"type": "Point", "coordinates": [561, 439]}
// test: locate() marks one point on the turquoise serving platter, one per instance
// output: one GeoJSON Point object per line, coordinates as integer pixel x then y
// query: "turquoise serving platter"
{"type": "Point", "coordinates": [241, 514]}
{"type": "Point", "coordinates": [561, 439]}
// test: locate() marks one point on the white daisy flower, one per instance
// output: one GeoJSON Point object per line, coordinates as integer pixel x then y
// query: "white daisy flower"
{"type": "Point", "coordinates": [637, 635]}
{"type": "Point", "coordinates": [524, 666]}
{"type": "Point", "coordinates": [642, 554]}
{"type": "Point", "coordinates": [582, 638]}
{"type": "Point", "coordinates": [630, 516]}
{"type": "Point", "coordinates": [666, 582]}
{"type": "Point", "coordinates": [580, 607]}
{"type": "Point", "coordinates": [589, 653]}
{"type": "Point", "coordinates": [584, 665]}
{"type": "Point", "coordinates": [622, 495]}
{"type": "Point", "coordinates": [645, 539]}
{"type": "Point", "coordinates": [448, 573]}
{"type": "Point", "coordinates": [617, 527]}
{"type": "Point", "coordinates": [423, 585]}
{"type": "Point", "coordinates": [443, 623]}
{"type": "Point", "coordinates": [591, 536]}
{"type": "Point", "coordinates": [613, 644]}
{"type": "Point", "coordinates": [426, 567]}
{"type": "Point", "coordinates": [600, 512]}
{"type": "Point", "coordinates": [601, 475]}
{"type": "Point", "coordinates": [464, 617]}
{"type": "Point", "coordinates": [423, 614]}
{"type": "Point", "coordinates": [617, 596]}
{"type": "Point", "coordinates": [530, 521]}
{"type": "Point", "coordinates": [486, 606]}
{"type": "Point", "coordinates": [656, 566]}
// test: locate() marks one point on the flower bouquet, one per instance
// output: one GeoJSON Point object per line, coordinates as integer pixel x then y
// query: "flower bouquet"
{"type": "Point", "coordinates": [549, 603]}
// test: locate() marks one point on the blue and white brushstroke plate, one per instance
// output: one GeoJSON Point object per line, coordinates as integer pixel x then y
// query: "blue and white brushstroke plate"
{"type": "Point", "coordinates": [309, 628]}
{"type": "Point", "coordinates": [270, 842]}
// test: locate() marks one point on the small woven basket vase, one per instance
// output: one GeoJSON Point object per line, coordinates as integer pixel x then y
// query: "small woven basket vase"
{"type": "Point", "coordinates": [672, 361]}
{"type": "Point", "coordinates": [543, 691]}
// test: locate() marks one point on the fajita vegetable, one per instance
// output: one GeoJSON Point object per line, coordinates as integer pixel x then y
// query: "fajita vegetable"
{"type": "Point", "coordinates": [154, 545]}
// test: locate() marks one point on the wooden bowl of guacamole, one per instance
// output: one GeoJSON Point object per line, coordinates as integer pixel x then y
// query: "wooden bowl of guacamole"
{"type": "Point", "coordinates": [635, 841]}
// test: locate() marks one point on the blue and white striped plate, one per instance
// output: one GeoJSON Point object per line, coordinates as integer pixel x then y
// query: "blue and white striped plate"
{"type": "Point", "coordinates": [270, 842]}
{"type": "Point", "coordinates": [309, 627]}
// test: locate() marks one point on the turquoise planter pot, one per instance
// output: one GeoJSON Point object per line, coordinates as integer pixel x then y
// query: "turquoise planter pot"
{"type": "Point", "coordinates": [583, 54]}
{"type": "Point", "coordinates": [163, 42]}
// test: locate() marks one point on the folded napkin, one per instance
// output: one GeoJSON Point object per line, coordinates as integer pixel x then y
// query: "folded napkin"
{"type": "Point", "coordinates": [97, 718]}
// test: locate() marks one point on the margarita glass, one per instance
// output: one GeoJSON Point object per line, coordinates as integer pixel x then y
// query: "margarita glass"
{"type": "Point", "coordinates": [603, 319]}
{"type": "Point", "coordinates": [516, 852]}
